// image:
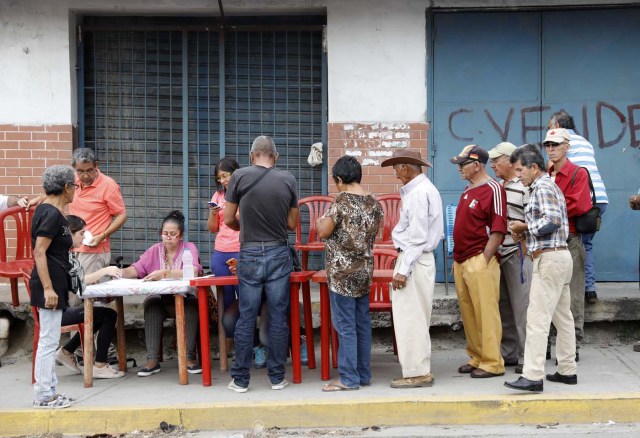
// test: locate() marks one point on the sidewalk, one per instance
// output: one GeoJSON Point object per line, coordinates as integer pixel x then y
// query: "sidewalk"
{"type": "Point", "coordinates": [608, 389]}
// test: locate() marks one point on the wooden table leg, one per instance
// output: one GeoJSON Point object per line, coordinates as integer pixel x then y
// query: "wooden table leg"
{"type": "Point", "coordinates": [181, 339]}
{"type": "Point", "coordinates": [15, 298]}
{"type": "Point", "coordinates": [205, 351]}
{"type": "Point", "coordinates": [294, 291]}
{"type": "Point", "coordinates": [87, 348]}
{"type": "Point", "coordinates": [325, 328]}
{"type": "Point", "coordinates": [120, 334]}
{"type": "Point", "coordinates": [222, 334]}
{"type": "Point", "coordinates": [308, 324]}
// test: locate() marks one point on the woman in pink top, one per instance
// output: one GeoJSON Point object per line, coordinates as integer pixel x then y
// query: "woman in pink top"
{"type": "Point", "coordinates": [227, 243]}
{"type": "Point", "coordinates": [164, 260]}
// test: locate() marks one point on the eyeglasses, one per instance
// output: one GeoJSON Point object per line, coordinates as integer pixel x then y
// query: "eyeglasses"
{"type": "Point", "coordinates": [553, 145]}
{"type": "Point", "coordinates": [170, 234]}
{"type": "Point", "coordinates": [75, 186]}
{"type": "Point", "coordinates": [223, 176]}
{"type": "Point", "coordinates": [461, 165]}
{"type": "Point", "coordinates": [86, 172]}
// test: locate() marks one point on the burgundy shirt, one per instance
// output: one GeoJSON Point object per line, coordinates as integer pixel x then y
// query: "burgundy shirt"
{"type": "Point", "coordinates": [481, 211]}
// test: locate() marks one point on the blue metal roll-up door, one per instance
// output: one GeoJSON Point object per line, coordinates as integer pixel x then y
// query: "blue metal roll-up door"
{"type": "Point", "coordinates": [158, 106]}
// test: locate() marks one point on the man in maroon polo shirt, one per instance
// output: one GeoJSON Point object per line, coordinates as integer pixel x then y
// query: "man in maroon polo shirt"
{"type": "Point", "coordinates": [573, 181]}
{"type": "Point", "coordinates": [479, 229]}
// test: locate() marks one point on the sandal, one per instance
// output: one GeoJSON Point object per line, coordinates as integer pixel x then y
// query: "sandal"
{"type": "Point", "coordinates": [337, 386]}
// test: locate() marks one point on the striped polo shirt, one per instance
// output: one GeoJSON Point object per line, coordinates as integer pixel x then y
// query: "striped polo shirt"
{"type": "Point", "coordinates": [581, 154]}
{"type": "Point", "coordinates": [517, 200]}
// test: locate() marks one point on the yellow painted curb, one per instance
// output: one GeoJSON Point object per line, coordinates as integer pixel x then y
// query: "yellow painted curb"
{"type": "Point", "coordinates": [427, 410]}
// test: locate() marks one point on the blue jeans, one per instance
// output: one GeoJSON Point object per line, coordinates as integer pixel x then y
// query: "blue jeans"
{"type": "Point", "coordinates": [269, 269]}
{"type": "Point", "coordinates": [590, 262]}
{"type": "Point", "coordinates": [220, 268]}
{"type": "Point", "coordinates": [352, 320]}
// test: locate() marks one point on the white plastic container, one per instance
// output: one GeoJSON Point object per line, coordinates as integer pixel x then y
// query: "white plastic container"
{"type": "Point", "coordinates": [187, 265]}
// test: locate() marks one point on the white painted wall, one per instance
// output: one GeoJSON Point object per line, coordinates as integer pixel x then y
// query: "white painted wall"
{"type": "Point", "coordinates": [376, 60]}
{"type": "Point", "coordinates": [35, 65]}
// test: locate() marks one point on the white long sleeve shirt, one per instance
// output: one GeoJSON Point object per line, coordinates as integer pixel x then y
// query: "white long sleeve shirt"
{"type": "Point", "coordinates": [421, 226]}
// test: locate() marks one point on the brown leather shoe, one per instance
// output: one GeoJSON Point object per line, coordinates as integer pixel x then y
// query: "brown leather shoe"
{"type": "Point", "coordinates": [413, 382]}
{"type": "Point", "coordinates": [466, 369]}
{"type": "Point", "coordinates": [482, 374]}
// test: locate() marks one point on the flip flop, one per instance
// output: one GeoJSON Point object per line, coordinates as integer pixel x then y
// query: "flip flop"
{"type": "Point", "coordinates": [337, 386]}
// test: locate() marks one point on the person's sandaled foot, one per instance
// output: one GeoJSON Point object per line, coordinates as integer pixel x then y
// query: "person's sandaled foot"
{"type": "Point", "coordinates": [337, 386]}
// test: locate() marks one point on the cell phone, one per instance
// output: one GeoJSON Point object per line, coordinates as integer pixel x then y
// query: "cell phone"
{"type": "Point", "coordinates": [232, 262]}
{"type": "Point", "coordinates": [213, 204]}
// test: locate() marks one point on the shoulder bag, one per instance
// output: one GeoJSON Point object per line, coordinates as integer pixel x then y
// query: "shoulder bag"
{"type": "Point", "coordinates": [589, 222]}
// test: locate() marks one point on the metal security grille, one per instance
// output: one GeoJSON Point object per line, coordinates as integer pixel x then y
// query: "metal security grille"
{"type": "Point", "coordinates": [157, 103]}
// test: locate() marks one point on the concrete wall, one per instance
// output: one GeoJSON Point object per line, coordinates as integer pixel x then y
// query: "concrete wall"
{"type": "Point", "coordinates": [377, 60]}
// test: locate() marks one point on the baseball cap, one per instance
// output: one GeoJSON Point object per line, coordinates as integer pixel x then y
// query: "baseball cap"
{"type": "Point", "coordinates": [504, 148]}
{"type": "Point", "coordinates": [557, 135]}
{"type": "Point", "coordinates": [472, 152]}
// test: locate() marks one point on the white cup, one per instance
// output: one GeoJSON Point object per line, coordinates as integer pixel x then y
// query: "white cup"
{"type": "Point", "coordinates": [88, 238]}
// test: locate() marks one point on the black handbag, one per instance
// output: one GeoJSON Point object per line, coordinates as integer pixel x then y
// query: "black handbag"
{"type": "Point", "coordinates": [589, 222]}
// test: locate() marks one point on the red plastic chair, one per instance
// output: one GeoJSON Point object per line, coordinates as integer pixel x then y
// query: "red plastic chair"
{"type": "Point", "coordinates": [391, 207]}
{"type": "Point", "coordinates": [22, 260]}
{"type": "Point", "coordinates": [379, 297]}
{"type": "Point", "coordinates": [36, 328]}
{"type": "Point", "coordinates": [317, 206]}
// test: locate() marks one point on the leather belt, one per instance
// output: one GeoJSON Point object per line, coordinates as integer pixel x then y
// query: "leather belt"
{"type": "Point", "coordinates": [535, 254]}
{"type": "Point", "coordinates": [264, 244]}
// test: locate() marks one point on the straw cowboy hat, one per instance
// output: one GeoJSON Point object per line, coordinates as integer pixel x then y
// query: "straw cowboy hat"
{"type": "Point", "coordinates": [405, 156]}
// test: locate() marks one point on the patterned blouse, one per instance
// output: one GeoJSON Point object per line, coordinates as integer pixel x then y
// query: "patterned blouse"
{"type": "Point", "coordinates": [349, 249]}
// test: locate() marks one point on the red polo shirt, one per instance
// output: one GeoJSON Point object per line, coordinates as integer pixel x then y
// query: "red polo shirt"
{"type": "Point", "coordinates": [577, 196]}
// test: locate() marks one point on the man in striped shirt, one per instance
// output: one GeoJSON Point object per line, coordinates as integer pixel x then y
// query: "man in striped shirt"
{"type": "Point", "coordinates": [581, 153]}
{"type": "Point", "coordinates": [479, 229]}
{"type": "Point", "coordinates": [515, 268]}
{"type": "Point", "coordinates": [546, 230]}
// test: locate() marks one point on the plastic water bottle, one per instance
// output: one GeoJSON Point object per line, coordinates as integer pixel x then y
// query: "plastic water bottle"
{"type": "Point", "coordinates": [187, 264]}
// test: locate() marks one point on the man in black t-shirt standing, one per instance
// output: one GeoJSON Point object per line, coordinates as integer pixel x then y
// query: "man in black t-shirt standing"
{"type": "Point", "coordinates": [268, 200]}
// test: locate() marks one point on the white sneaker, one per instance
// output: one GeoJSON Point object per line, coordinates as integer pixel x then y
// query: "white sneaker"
{"type": "Point", "coordinates": [235, 387]}
{"type": "Point", "coordinates": [68, 361]}
{"type": "Point", "coordinates": [106, 372]}
{"type": "Point", "coordinates": [280, 385]}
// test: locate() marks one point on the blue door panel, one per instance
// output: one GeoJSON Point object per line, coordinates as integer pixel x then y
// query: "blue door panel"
{"type": "Point", "coordinates": [500, 75]}
{"type": "Point", "coordinates": [485, 85]}
{"type": "Point", "coordinates": [592, 69]}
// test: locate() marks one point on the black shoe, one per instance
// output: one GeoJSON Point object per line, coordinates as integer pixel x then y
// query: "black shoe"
{"type": "Point", "coordinates": [519, 368]}
{"type": "Point", "coordinates": [146, 372]}
{"type": "Point", "coordinates": [567, 380]}
{"type": "Point", "coordinates": [524, 384]}
{"type": "Point", "coordinates": [194, 369]}
{"type": "Point", "coordinates": [510, 363]}
{"type": "Point", "coordinates": [591, 297]}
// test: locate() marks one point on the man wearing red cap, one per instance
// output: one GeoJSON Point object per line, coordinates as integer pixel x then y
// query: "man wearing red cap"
{"type": "Point", "coordinates": [478, 232]}
{"type": "Point", "coordinates": [418, 232]}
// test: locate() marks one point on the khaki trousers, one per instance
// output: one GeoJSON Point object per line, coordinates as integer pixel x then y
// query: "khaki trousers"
{"type": "Point", "coordinates": [577, 286]}
{"type": "Point", "coordinates": [478, 289]}
{"type": "Point", "coordinates": [514, 300]}
{"type": "Point", "coordinates": [412, 316]}
{"type": "Point", "coordinates": [550, 301]}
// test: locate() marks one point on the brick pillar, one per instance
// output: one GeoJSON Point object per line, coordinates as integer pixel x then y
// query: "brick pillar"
{"type": "Point", "coordinates": [25, 151]}
{"type": "Point", "coordinates": [372, 143]}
